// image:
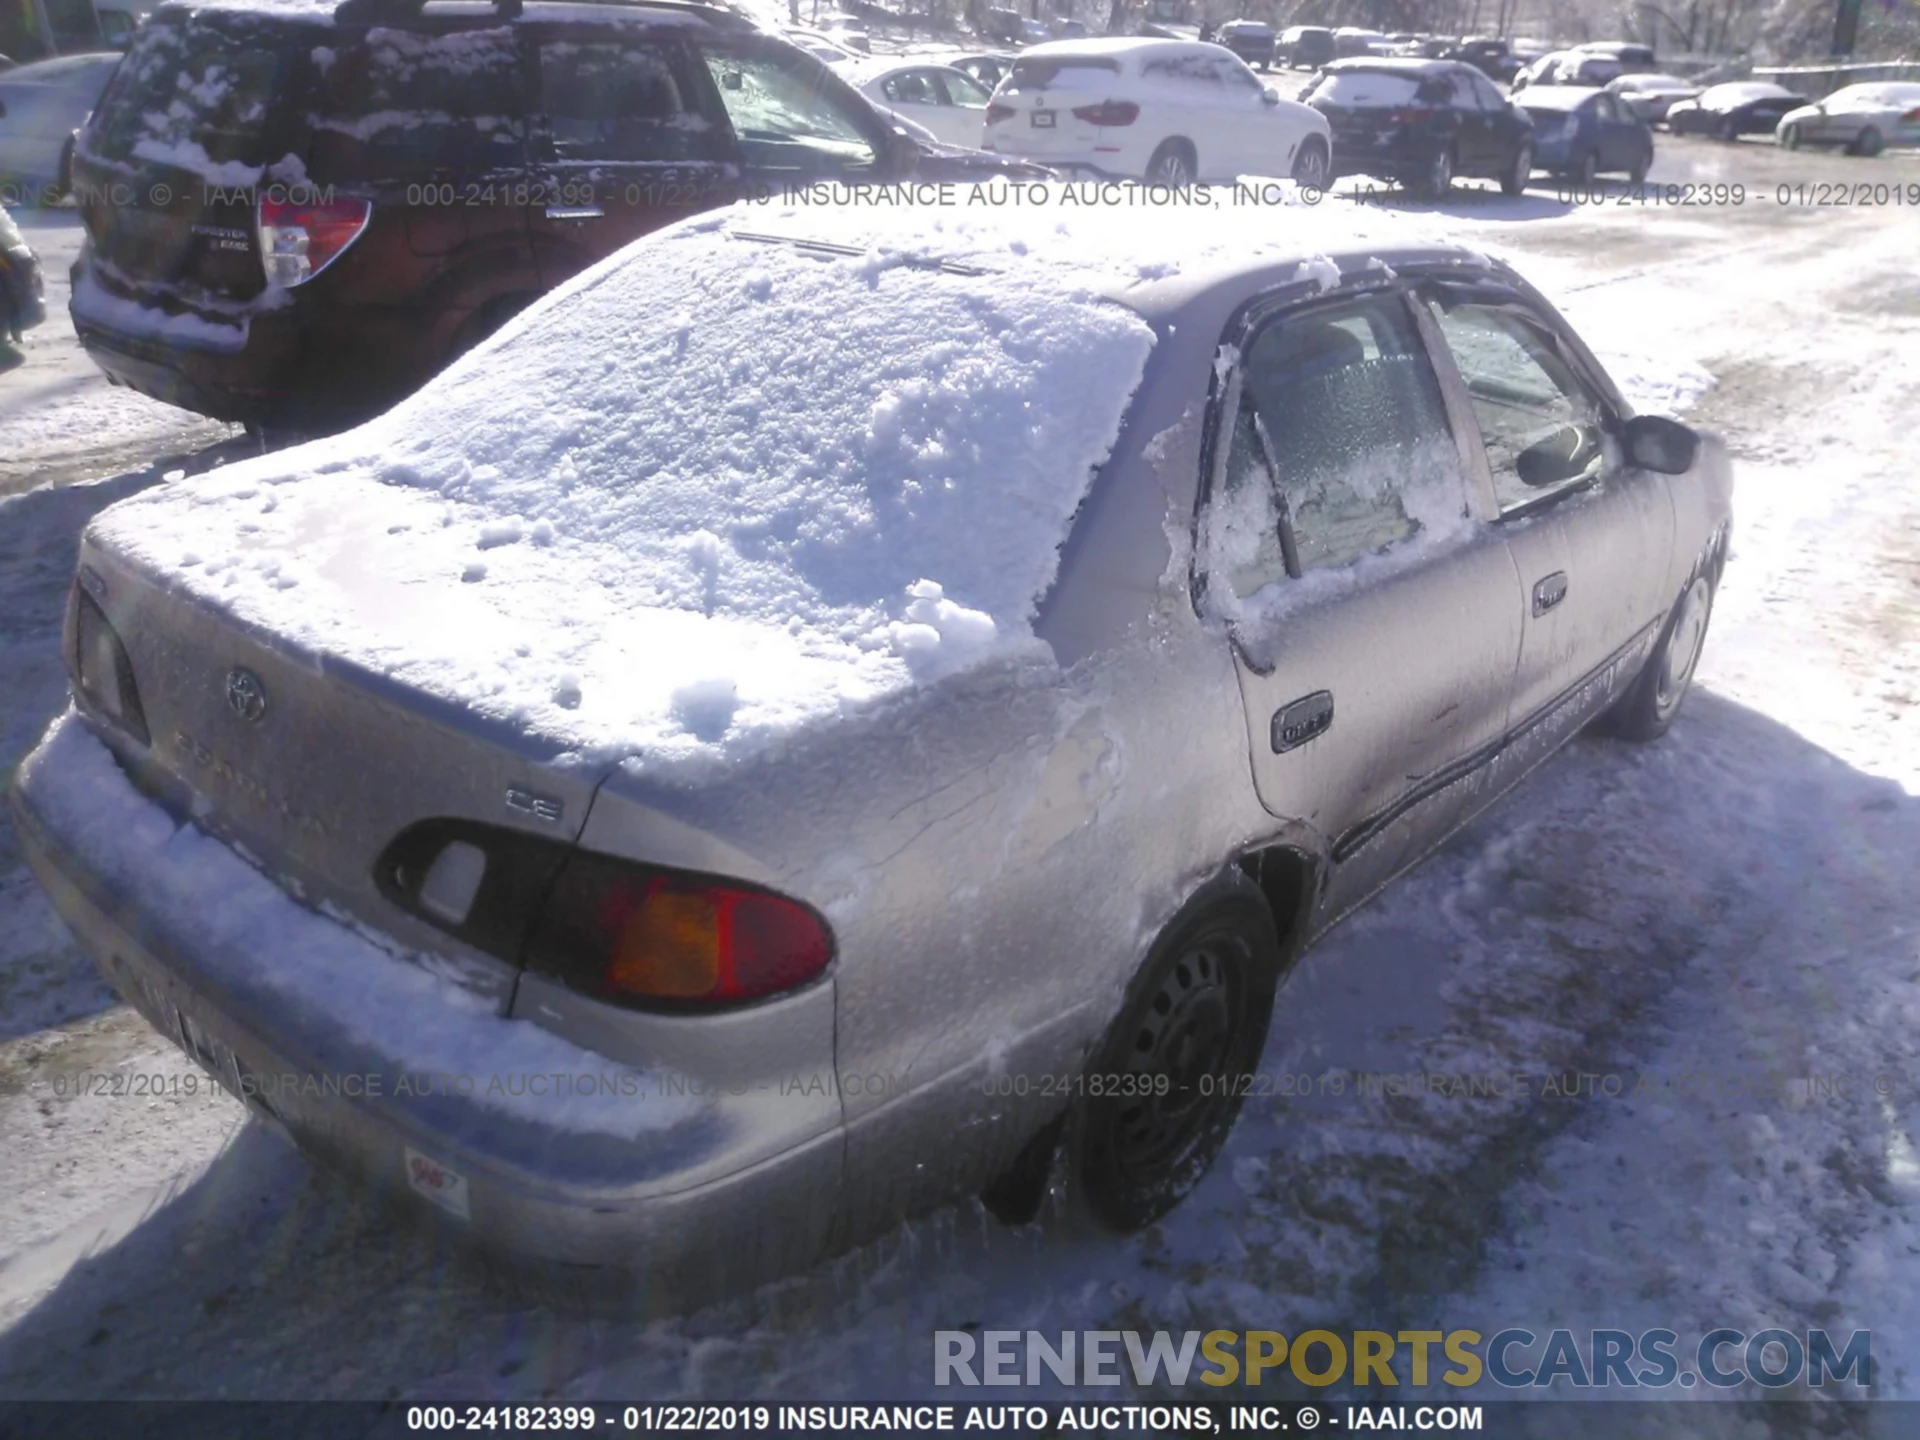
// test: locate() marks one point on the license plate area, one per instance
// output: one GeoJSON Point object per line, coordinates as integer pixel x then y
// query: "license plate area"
{"type": "Point", "coordinates": [1043, 119]}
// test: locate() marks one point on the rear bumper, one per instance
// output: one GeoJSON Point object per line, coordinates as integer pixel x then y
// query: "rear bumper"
{"type": "Point", "coordinates": [152, 901]}
{"type": "Point", "coordinates": [1400, 160]}
{"type": "Point", "coordinates": [304, 366]}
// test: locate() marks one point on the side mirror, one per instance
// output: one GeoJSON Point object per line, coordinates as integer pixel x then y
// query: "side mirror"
{"type": "Point", "coordinates": [1653, 442]}
{"type": "Point", "coordinates": [1269, 96]}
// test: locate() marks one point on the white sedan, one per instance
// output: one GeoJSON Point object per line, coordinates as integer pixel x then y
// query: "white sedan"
{"type": "Point", "coordinates": [948, 102]}
{"type": "Point", "coordinates": [1170, 112]}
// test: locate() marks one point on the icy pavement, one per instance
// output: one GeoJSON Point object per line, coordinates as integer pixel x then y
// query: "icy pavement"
{"type": "Point", "coordinates": [1724, 916]}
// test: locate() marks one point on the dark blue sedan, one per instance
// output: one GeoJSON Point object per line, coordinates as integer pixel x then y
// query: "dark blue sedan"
{"type": "Point", "coordinates": [1583, 134]}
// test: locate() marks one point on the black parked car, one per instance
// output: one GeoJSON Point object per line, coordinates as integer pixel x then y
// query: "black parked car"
{"type": "Point", "coordinates": [1305, 47]}
{"type": "Point", "coordinates": [1583, 134]}
{"type": "Point", "coordinates": [450, 163]}
{"type": "Point", "coordinates": [1489, 56]}
{"type": "Point", "coordinates": [1422, 123]}
{"type": "Point", "coordinates": [1252, 41]}
{"type": "Point", "coordinates": [1745, 107]}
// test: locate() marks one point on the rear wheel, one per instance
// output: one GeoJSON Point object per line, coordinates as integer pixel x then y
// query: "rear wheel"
{"type": "Point", "coordinates": [1638, 174]}
{"type": "Point", "coordinates": [1726, 130]}
{"type": "Point", "coordinates": [1312, 165]}
{"type": "Point", "coordinates": [1648, 708]}
{"type": "Point", "coordinates": [1172, 165]}
{"type": "Point", "coordinates": [1790, 137]}
{"type": "Point", "coordinates": [1870, 143]}
{"type": "Point", "coordinates": [1587, 172]}
{"type": "Point", "coordinates": [1437, 180]}
{"type": "Point", "coordinates": [1514, 182]}
{"type": "Point", "coordinates": [1195, 1018]}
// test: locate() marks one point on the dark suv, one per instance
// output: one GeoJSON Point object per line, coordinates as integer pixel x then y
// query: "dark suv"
{"type": "Point", "coordinates": [1422, 123]}
{"type": "Point", "coordinates": [295, 216]}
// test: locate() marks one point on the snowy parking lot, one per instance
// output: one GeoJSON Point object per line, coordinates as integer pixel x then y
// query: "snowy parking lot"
{"type": "Point", "coordinates": [1696, 966]}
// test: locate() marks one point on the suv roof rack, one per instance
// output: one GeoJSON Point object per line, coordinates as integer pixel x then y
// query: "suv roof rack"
{"type": "Point", "coordinates": [352, 12]}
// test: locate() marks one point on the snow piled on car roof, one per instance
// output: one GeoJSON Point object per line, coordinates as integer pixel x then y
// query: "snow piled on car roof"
{"type": "Point", "coordinates": [711, 489]}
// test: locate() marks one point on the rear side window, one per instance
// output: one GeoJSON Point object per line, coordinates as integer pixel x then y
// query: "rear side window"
{"type": "Point", "coordinates": [403, 105]}
{"type": "Point", "coordinates": [1340, 447]}
{"type": "Point", "coordinates": [201, 89]}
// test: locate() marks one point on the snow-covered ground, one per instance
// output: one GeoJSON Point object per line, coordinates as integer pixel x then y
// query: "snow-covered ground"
{"type": "Point", "coordinates": [1722, 916]}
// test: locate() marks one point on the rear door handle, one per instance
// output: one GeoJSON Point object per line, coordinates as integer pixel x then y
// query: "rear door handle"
{"type": "Point", "coordinates": [575, 212]}
{"type": "Point", "coordinates": [1549, 591]}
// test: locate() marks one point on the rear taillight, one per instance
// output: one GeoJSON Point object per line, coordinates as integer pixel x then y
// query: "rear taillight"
{"type": "Point", "coordinates": [996, 112]}
{"type": "Point", "coordinates": [297, 242]}
{"type": "Point", "coordinates": [630, 934]}
{"type": "Point", "coordinates": [1108, 112]}
{"type": "Point", "coordinates": [1912, 117]}
{"type": "Point", "coordinates": [1415, 116]}
{"type": "Point", "coordinates": [654, 938]}
{"type": "Point", "coordinates": [102, 670]}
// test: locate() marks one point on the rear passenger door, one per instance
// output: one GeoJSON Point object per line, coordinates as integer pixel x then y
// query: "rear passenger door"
{"type": "Point", "coordinates": [1590, 537]}
{"type": "Point", "coordinates": [1374, 612]}
{"type": "Point", "coordinates": [1474, 146]}
{"type": "Point", "coordinates": [625, 141]}
{"type": "Point", "coordinates": [1619, 134]}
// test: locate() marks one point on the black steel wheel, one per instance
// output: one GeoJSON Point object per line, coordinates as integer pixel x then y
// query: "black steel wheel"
{"type": "Point", "coordinates": [1169, 1072]}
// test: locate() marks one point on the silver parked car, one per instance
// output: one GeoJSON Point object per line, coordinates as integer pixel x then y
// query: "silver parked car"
{"type": "Point", "coordinates": [41, 105]}
{"type": "Point", "coordinates": [903, 687]}
{"type": "Point", "coordinates": [1861, 119]}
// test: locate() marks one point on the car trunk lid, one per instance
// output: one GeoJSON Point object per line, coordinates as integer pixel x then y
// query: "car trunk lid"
{"type": "Point", "coordinates": [1034, 106]}
{"type": "Point", "coordinates": [313, 767]}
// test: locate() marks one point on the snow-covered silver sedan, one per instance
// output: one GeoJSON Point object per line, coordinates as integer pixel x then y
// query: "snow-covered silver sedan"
{"type": "Point", "coordinates": [830, 707]}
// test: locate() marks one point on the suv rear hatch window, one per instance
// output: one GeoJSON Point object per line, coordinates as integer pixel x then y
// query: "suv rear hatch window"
{"type": "Point", "coordinates": [1063, 72]}
{"type": "Point", "coordinates": [204, 92]}
{"type": "Point", "coordinates": [1367, 89]}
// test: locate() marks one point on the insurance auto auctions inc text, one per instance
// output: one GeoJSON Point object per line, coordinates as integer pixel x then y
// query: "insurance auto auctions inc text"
{"type": "Point", "coordinates": [1515, 1358]}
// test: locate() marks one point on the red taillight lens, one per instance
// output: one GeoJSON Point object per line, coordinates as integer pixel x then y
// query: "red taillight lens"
{"type": "Point", "coordinates": [1108, 112]}
{"type": "Point", "coordinates": [638, 935]}
{"type": "Point", "coordinates": [298, 241]}
{"type": "Point", "coordinates": [1912, 117]}
{"type": "Point", "coordinates": [996, 112]}
{"type": "Point", "coordinates": [102, 672]}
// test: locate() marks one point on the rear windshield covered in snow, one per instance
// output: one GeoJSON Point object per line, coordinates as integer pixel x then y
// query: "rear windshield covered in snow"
{"type": "Point", "coordinates": [1064, 72]}
{"type": "Point", "coordinates": [1365, 89]}
{"type": "Point", "coordinates": [402, 105]}
{"type": "Point", "coordinates": [201, 88]}
{"type": "Point", "coordinates": [788, 437]}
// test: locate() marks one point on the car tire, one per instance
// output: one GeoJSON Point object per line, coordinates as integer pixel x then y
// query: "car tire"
{"type": "Point", "coordinates": [1789, 137]}
{"type": "Point", "coordinates": [1313, 166]}
{"type": "Point", "coordinates": [1869, 144]}
{"type": "Point", "coordinates": [1638, 174]}
{"type": "Point", "coordinates": [1586, 171]}
{"type": "Point", "coordinates": [1514, 182]}
{"type": "Point", "coordinates": [1173, 165]}
{"type": "Point", "coordinates": [1197, 1014]}
{"type": "Point", "coordinates": [1437, 181]}
{"type": "Point", "coordinates": [1651, 703]}
{"type": "Point", "coordinates": [1726, 130]}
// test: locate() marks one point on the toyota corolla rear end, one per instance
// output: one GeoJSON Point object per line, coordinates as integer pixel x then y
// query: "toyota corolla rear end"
{"type": "Point", "coordinates": [368, 914]}
{"type": "Point", "coordinates": [488, 795]}
{"type": "Point", "coordinates": [1067, 106]}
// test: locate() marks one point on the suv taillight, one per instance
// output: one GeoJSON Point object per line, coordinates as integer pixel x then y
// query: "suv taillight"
{"type": "Point", "coordinates": [639, 935]}
{"type": "Point", "coordinates": [996, 112]}
{"type": "Point", "coordinates": [297, 242]}
{"type": "Point", "coordinates": [102, 670]}
{"type": "Point", "coordinates": [626, 933]}
{"type": "Point", "coordinates": [1108, 112]}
